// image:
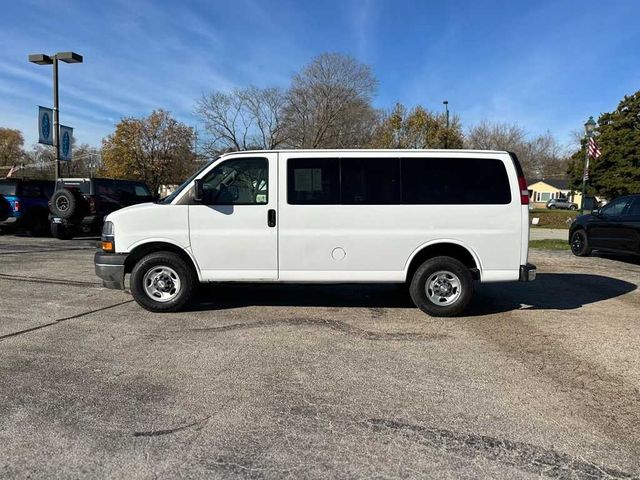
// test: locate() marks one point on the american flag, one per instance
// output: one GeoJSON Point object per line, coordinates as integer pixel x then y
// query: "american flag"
{"type": "Point", "coordinates": [594, 149]}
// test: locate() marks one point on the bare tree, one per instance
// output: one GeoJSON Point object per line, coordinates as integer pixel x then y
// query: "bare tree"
{"type": "Point", "coordinates": [224, 118]}
{"type": "Point", "coordinates": [329, 104]}
{"type": "Point", "coordinates": [243, 119]}
{"type": "Point", "coordinates": [541, 156]}
{"type": "Point", "coordinates": [265, 108]}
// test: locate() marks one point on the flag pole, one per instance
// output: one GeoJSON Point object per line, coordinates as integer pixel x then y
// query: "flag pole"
{"type": "Point", "coordinates": [584, 175]}
{"type": "Point", "coordinates": [589, 128]}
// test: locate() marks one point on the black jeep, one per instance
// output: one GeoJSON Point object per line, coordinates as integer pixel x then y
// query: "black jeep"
{"type": "Point", "coordinates": [79, 205]}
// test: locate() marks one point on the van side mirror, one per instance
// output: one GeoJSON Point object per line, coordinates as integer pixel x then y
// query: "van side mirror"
{"type": "Point", "coordinates": [198, 190]}
{"type": "Point", "coordinates": [595, 212]}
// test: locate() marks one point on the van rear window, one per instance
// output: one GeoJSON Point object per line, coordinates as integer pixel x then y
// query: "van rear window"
{"type": "Point", "coordinates": [392, 181]}
{"type": "Point", "coordinates": [454, 181]}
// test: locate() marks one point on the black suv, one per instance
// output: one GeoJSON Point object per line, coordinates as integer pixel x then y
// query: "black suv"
{"type": "Point", "coordinates": [613, 228]}
{"type": "Point", "coordinates": [24, 204]}
{"type": "Point", "coordinates": [79, 205]}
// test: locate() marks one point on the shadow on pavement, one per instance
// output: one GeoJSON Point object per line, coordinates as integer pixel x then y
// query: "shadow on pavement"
{"type": "Point", "coordinates": [226, 295]}
{"type": "Point", "coordinates": [550, 291]}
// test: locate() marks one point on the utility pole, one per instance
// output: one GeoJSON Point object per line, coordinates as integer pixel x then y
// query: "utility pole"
{"type": "Point", "coordinates": [446, 137]}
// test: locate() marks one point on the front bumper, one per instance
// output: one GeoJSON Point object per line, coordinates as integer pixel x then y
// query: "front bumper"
{"type": "Point", "coordinates": [110, 268]}
{"type": "Point", "coordinates": [528, 272]}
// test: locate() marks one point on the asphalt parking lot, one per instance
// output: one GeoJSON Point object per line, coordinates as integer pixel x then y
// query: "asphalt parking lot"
{"type": "Point", "coordinates": [275, 381]}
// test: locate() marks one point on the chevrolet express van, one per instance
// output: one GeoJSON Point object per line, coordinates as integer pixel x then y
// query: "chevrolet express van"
{"type": "Point", "coordinates": [438, 220]}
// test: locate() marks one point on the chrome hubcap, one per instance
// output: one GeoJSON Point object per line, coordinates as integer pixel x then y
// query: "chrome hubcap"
{"type": "Point", "coordinates": [443, 288]}
{"type": "Point", "coordinates": [161, 283]}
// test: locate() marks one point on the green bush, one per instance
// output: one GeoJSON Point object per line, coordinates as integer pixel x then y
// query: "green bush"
{"type": "Point", "coordinates": [549, 244]}
{"type": "Point", "coordinates": [552, 218]}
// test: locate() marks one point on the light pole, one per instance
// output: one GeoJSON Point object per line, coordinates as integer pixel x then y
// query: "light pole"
{"type": "Point", "coordinates": [446, 110]}
{"type": "Point", "coordinates": [42, 59]}
{"type": "Point", "coordinates": [589, 128]}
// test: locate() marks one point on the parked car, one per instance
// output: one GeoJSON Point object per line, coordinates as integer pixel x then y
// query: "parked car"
{"type": "Point", "coordinates": [438, 220]}
{"type": "Point", "coordinates": [24, 204]}
{"type": "Point", "coordinates": [612, 228]}
{"type": "Point", "coordinates": [79, 205]}
{"type": "Point", "coordinates": [562, 203]}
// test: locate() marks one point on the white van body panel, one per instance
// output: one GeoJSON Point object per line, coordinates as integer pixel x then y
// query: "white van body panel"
{"type": "Point", "coordinates": [234, 242]}
{"type": "Point", "coordinates": [148, 222]}
{"type": "Point", "coordinates": [330, 243]}
{"type": "Point", "coordinates": [378, 241]}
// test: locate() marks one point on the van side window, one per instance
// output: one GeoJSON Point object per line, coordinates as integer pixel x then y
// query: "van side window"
{"type": "Point", "coordinates": [454, 181]}
{"type": "Point", "coordinates": [370, 181]}
{"type": "Point", "coordinates": [392, 181]}
{"type": "Point", "coordinates": [313, 181]}
{"type": "Point", "coordinates": [240, 181]}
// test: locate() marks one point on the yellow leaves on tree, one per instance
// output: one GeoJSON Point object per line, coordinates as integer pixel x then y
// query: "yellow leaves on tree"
{"type": "Point", "coordinates": [156, 150]}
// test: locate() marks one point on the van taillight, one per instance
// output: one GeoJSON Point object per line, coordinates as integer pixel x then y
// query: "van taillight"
{"type": "Point", "coordinates": [16, 206]}
{"type": "Point", "coordinates": [524, 191]}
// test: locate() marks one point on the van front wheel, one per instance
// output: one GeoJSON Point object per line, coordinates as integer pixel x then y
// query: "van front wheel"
{"type": "Point", "coordinates": [442, 287]}
{"type": "Point", "coordinates": [162, 282]}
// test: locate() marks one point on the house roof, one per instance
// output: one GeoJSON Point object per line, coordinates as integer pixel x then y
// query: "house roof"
{"type": "Point", "coordinates": [559, 183]}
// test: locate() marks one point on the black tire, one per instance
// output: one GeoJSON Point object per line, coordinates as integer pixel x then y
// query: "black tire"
{"type": "Point", "coordinates": [573, 207]}
{"type": "Point", "coordinates": [61, 232]}
{"type": "Point", "coordinates": [64, 203]}
{"type": "Point", "coordinates": [449, 272]}
{"type": "Point", "coordinates": [580, 243]}
{"type": "Point", "coordinates": [161, 270]}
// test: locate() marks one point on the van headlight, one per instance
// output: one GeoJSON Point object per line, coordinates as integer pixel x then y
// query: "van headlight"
{"type": "Point", "coordinates": [108, 240]}
{"type": "Point", "coordinates": [107, 228]}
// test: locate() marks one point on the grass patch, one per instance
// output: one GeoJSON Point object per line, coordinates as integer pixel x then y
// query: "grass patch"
{"type": "Point", "coordinates": [549, 244]}
{"type": "Point", "coordinates": [552, 218]}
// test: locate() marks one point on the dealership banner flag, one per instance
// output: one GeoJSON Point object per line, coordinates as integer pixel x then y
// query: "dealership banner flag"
{"type": "Point", "coordinates": [45, 125]}
{"type": "Point", "coordinates": [66, 138]}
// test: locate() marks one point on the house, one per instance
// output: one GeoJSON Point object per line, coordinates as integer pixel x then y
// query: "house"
{"type": "Point", "coordinates": [543, 190]}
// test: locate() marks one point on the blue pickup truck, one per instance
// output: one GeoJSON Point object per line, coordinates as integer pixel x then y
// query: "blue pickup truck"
{"type": "Point", "coordinates": [25, 204]}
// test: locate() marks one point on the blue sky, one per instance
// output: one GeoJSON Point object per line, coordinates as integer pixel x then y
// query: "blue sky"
{"type": "Point", "coordinates": [546, 64]}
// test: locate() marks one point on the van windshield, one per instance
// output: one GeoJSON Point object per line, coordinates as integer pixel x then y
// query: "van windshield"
{"type": "Point", "coordinates": [169, 198]}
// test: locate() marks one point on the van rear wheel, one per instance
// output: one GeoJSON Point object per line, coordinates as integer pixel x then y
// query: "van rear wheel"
{"type": "Point", "coordinates": [442, 287]}
{"type": "Point", "coordinates": [162, 282]}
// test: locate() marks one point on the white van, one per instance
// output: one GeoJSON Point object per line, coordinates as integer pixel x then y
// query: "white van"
{"type": "Point", "coordinates": [436, 219]}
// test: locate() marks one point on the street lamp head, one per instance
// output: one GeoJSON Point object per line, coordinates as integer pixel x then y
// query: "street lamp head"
{"type": "Point", "coordinates": [40, 59]}
{"type": "Point", "coordinates": [590, 126]}
{"type": "Point", "coordinates": [69, 57]}
{"type": "Point", "coordinates": [446, 102]}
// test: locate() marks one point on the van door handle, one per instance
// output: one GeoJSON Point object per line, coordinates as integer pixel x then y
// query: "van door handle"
{"type": "Point", "coordinates": [271, 217]}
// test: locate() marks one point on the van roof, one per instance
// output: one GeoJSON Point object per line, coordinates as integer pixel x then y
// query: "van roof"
{"type": "Point", "coordinates": [366, 150]}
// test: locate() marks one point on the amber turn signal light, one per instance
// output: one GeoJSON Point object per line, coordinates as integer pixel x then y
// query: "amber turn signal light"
{"type": "Point", "coordinates": [107, 246]}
